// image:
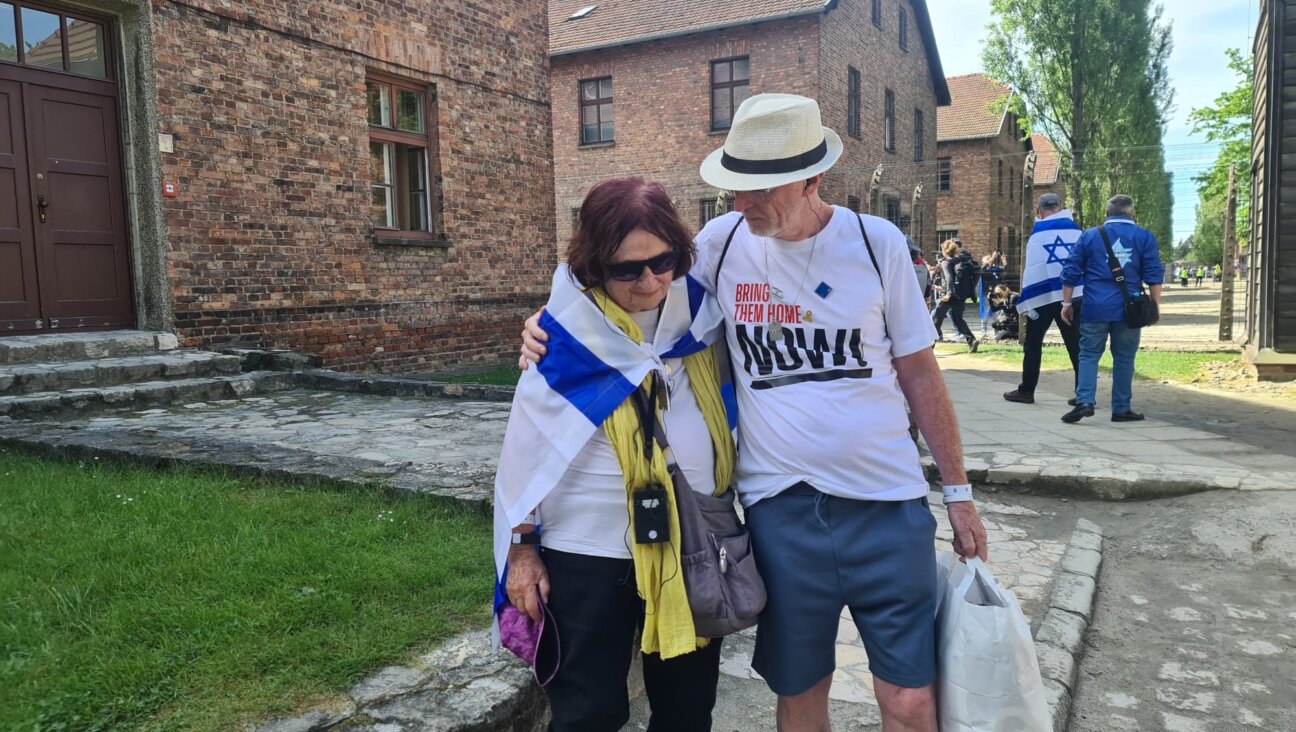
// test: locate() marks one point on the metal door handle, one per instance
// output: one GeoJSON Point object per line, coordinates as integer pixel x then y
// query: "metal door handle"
{"type": "Point", "coordinates": [42, 203]}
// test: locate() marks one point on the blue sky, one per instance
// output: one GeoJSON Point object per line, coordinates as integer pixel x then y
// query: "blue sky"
{"type": "Point", "coordinates": [1201, 30]}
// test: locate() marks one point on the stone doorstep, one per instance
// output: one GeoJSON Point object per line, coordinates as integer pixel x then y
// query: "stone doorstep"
{"type": "Point", "coordinates": [147, 393]}
{"type": "Point", "coordinates": [56, 347]}
{"type": "Point", "coordinates": [112, 371]}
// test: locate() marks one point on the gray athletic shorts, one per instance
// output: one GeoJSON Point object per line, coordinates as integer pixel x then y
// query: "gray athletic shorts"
{"type": "Point", "coordinates": [819, 553]}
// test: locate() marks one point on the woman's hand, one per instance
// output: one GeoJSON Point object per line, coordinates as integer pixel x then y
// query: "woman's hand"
{"type": "Point", "coordinates": [533, 340]}
{"type": "Point", "coordinates": [528, 581]}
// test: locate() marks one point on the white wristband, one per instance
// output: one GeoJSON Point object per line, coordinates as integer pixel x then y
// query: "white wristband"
{"type": "Point", "coordinates": [1066, 303]}
{"type": "Point", "coordinates": [957, 493]}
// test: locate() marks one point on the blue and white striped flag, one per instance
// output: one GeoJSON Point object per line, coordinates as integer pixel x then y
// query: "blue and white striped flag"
{"type": "Point", "coordinates": [1046, 253]}
{"type": "Point", "coordinates": [590, 368]}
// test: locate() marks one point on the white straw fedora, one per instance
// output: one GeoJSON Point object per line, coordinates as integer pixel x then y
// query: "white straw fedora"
{"type": "Point", "coordinates": [775, 139]}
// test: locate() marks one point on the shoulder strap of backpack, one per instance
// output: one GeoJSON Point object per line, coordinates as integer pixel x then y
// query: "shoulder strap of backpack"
{"type": "Point", "coordinates": [725, 252]}
{"type": "Point", "coordinates": [873, 258]}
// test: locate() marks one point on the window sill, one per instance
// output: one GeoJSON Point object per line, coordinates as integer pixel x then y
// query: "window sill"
{"type": "Point", "coordinates": [596, 145]}
{"type": "Point", "coordinates": [718, 133]}
{"type": "Point", "coordinates": [395, 240]}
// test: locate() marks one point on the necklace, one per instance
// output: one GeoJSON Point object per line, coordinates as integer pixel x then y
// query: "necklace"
{"type": "Point", "coordinates": [776, 324]}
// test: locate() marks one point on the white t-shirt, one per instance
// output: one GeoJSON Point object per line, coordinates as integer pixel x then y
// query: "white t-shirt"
{"type": "Point", "coordinates": [587, 512]}
{"type": "Point", "coordinates": [821, 403]}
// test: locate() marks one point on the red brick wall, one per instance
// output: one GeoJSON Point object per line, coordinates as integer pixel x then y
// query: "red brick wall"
{"type": "Point", "coordinates": [662, 109]}
{"type": "Point", "coordinates": [270, 242]}
{"type": "Point", "coordinates": [848, 37]}
{"type": "Point", "coordinates": [975, 205]}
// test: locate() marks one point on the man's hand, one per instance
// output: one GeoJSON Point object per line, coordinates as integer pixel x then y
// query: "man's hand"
{"type": "Point", "coordinates": [533, 340]}
{"type": "Point", "coordinates": [528, 580]}
{"type": "Point", "coordinates": [1068, 312]}
{"type": "Point", "coordinates": [969, 533]}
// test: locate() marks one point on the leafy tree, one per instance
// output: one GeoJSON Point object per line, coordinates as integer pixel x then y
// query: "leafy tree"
{"type": "Point", "coordinates": [1092, 76]}
{"type": "Point", "coordinates": [1228, 122]}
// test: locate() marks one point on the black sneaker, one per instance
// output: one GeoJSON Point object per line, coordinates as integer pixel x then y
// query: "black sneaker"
{"type": "Point", "coordinates": [1080, 411]}
{"type": "Point", "coordinates": [1016, 395]}
{"type": "Point", "coordinates": [973, 344]}
{"type": "Point", "coordinates": [1127, 417]}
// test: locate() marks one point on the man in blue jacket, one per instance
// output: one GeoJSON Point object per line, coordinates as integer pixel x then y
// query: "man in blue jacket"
{"type": "Point", "coordinates": [1103, 314]}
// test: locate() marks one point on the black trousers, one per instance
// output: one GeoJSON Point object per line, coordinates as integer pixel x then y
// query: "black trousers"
{"type": "Point", "coordinates": [954, 308]}
{"type": "Point", "coordinates": [1033, 346]}
{"type": "Point", "coordinates": [596, 606]}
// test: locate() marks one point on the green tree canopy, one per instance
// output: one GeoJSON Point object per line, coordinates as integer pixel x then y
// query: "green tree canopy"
{"type": "Point", "coordinates": [1092, 77]}
{"type": "Point", "coordinates": [1228, 122]}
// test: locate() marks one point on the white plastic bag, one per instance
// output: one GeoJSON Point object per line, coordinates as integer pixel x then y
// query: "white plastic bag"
{"type": "Point", "coordinates": [988, 678]}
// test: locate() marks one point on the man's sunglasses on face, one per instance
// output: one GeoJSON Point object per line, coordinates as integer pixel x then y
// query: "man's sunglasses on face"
{"type": "Point", "coordinates": [630, 271]}
{"type": "Point", "coordinates": [760, 194]}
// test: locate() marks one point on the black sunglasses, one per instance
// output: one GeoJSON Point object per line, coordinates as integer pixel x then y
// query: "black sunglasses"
{"type": "Point", "coordinates": [630, 271]}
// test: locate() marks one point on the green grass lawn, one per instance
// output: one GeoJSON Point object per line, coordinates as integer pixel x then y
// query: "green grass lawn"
{"type": "Point", "coordinates": [1155, 365]}
{"type": "Point", "coordinates": [499, 376]}
{"type": "Point", "coordinates": [131, 599]}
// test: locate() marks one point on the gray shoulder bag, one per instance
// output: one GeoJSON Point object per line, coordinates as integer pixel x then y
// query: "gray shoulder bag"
{"type": "Point", "coordinates": [725, 590]}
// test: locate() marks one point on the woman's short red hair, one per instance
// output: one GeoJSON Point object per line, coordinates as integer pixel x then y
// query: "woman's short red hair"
{"type": "Point", "coordinates": [614, 208]}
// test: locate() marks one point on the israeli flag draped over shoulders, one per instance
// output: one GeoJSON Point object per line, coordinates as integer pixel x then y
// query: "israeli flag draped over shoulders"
{"type": "Point", "coordinates": [1046, 253]}
{"type": "Point", "coordinates": [590, 368]}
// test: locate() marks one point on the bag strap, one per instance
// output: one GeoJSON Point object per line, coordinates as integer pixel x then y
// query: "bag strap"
{"type": "Point", "coordinates": [1117, 270]}
{"type": "Point", "coordinates": [881, 280]}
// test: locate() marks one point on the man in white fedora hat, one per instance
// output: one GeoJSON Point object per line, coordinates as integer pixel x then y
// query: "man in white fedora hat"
{"type": "Point", "coordinates": [828, 335]}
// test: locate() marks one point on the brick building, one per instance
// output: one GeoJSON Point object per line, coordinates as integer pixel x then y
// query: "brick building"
{"type": "Point", "coordinates": [364, 180]}
{"type": "Point", "coordinates": [981, 156]}
{"type": "Point", "coordinates": [650, 89]}
{"type": "Point", "coordinates": [1048, 170]}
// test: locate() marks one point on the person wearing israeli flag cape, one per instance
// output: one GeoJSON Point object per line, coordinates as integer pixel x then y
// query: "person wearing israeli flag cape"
{"type": "Point", "coordinates": [630, 332]}
{"type": "Point", "coordinates": [1055, 233]}
{"type": "Point", "coordinates": [828, 336]}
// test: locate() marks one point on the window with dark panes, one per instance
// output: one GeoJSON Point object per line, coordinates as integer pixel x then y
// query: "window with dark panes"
{"type": "Point", "coordinates": [888, 127]}
{"type": "Point", "coordinates": [596, 111]}
{"type": "Point", "coordinates": [401, 156]}
{"type": "Point", "coordinates": [904, 29]}
{"type": "Point", "coordinates": [709, 208]}
{"type": "Point", "coordinates": [57, 41]}
{"type": "Point", "coordinates": [944, 175]}
{"type": "Point", "coordinates": [852, 101]}
{"type": "Point", "coordinates": [892, 207]}
{"type": "Point", "coordinates": [944, 235]}
{"type": "Point", "coordinates": [853, 203]}
{"type": "Point", "coordinates": [877, 13]}
{"type": "Point", "coordinates": [919, 132]}
{"type": "Point", "coordinates": [1001, 177]}
{"type": "Point", "coordinates": [575, 216]}
{"type": "Point", "coordinates": [730, 86]}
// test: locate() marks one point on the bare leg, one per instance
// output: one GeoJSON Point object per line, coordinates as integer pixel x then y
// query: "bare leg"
{"type": "Point", "coordinates": [807, 711]}
{"type": "Point", "coordinates": [905, 710]}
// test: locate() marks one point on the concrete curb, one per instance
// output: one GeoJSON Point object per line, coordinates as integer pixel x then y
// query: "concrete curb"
{"type": "Point", "coordinates": [1140, 482]}
{"type": "Point", "coordinates": [326, 380]}
{"type": "Point", "coordinates": [1059, 643]}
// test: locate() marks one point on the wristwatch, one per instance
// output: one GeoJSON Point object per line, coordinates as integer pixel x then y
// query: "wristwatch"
{"type": "Point", "coordinates": [530, 537]}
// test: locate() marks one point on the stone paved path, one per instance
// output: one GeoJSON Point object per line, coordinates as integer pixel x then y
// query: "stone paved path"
{"type": "Point", "coordinates": [1026, 547]}
{"type": "Point", "coordinates": [1012, 443]}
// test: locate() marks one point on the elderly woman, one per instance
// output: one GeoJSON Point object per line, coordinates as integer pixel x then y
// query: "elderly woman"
{"type": "Point", "coordinates": [628, 334]}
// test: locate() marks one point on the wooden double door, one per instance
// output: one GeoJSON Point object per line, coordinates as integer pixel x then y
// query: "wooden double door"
{"type": "Point", "coordinates": [64, 241]}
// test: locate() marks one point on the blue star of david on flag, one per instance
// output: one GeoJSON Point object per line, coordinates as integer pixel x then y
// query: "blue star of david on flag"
{"type": "Point", "coordinates": [1053, 248]}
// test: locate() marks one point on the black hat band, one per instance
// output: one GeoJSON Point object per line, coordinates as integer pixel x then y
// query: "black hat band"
{"type": "Point", "coordinates": [778, 165]}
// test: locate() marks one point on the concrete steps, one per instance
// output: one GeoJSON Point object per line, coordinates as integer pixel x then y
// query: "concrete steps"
{"type": "Point", "coordinates": [149, 393]}
{"type": "Point", "coordinates": [31, 378]}
{"type": "Point", "coordinates": [44, 375]}
{"type": "Point", "coordinates": [63, 347]}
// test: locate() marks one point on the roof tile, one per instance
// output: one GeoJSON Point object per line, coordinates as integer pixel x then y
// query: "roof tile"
{"type": "Point", "coordinates": [969, 116]}
{"type": "Point", "coordinates": [616, 22]}
{"type": "Point", "coordinates": [1049, 161]}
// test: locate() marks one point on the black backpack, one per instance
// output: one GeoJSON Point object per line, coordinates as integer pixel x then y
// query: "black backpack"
{"type": "Point", "coordinates": [966, 272]}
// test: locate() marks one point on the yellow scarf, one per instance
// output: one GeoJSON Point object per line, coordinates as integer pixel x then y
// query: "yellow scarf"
{"type": "Point", "coordinates": [668, 621]}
